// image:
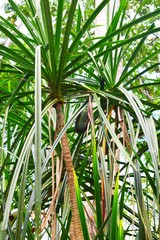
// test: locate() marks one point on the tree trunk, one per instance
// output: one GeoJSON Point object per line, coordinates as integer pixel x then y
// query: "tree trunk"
{"type": "Point", "coordinates": [77, 230]}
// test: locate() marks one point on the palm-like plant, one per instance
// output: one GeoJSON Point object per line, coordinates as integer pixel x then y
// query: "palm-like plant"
{"type": "Point", "coordinates": [119, 149]}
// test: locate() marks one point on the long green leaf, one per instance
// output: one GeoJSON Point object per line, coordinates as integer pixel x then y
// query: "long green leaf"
{"type": "Point", "coordinates": [115, 214]}
{"type": "Point", "coordinates": [80, 208]}
{"type": "Point", "coordinates": [117, 141]}
{"type": "Point", "coordinates": [14, 94]}
{"type": "Point", "coordinates": [40, 26]}
{"type": "Point", "coordinates": [134, 54]}
{"type": "Point", "coordinates": [27, 23]}
{"type": "Point", "coordinates": [87, 24]}
{"type": "Point", "coordinates": [19, 33]}
{"type": "Point", "coordinates": [97, 56]}
{"type": "Point", "coordinates": [47, 20]}
{"type": "Point", "coordinates": [96, 179]}
{"type": "Point", "coordinates": [139, 64]}
{"type": "Point", "coordinates": [65, 44]}
{"type": "Point", "coordinates": [21, 199]}
{"type": "Point", "coordinates": [144, 225]}
{"type": "Point", "coordinates": [140, 74]}
{"type": "Point", "coordinates": [125, 27]}
{"type": "Point", "coordinates": [58, 27]}
{"type": "Point", "coordinates": [38, 143]}
{"type": "Point", "coordinates": [148, 128]}
{"type": "Point", "coordinates": [13, 55]}
{"type": "Point", "coordinates": [26, 146]}
{"type": "Point", "coordinates": [16, 41]}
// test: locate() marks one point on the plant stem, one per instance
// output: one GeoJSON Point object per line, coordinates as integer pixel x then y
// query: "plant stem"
{"type": "Point", "coordinates": [69, 167]}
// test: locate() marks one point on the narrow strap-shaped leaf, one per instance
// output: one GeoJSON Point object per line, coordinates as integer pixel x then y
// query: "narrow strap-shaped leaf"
{"type": "Point", "coordinates": [116, 46]}
{"type": "Point", "coordinates": [22, 198]}
{"type": "Point", "coordinates": [24, 19]}
{"type": "Point", "coordinates": [149, 178]}
{"type": "Point", "coordinates": [11, 36]}
{"type": "Point", "coordinates": [148, 128]}
{"type": "Point", "coordinates": [65, 44]}
{"type": "Point", "coordinates": [115, 214]}
{"type": "Point", "coordinates": [124, 42]}
{"type": "Point", "coordinates": [11, 54]}
{"type": "Point", "coordinates": [38, 176]}
{"type": "Point", "coordinates": [14, 94]}
{"type": "Point", "coordinates": [17, 169]}
{"type": "Point", "coordinates": [96, 177]}
{"type": "Point", "coordinates": [108, 125]}
{"type": "Point", "coordinates": [101, 70]}
{"type": "Point", "coordinates": [87, 24]}
{"type": "Point", "coordinates": [81, 210]}
{"type": "Point", "coordinates": [35, 21]}
{"type": "Point", "coordinates": [140, 64]}
{"type": "Point", "coordinates": [40, 37]}
{"type": "Point", "coordinates": [116, 23]}
{"type": "Point", "coordinates": [144, 225]}
{"type": "Point", "coordinates": [58, 27]}
{"type": "Point", "coordinates": [79, 18]}
{"type": "Point", "coordinates": [19, 33]}
{"type": "Point", "coordinates": [134, 54]}
{"type": "Point", "coordinates": [49, 32]}
{"type": "Point", "coordinates": [140, 74]}
{"type": "Point", "coordinates": [125, 27]}
{"type": "Point", "coordinates": [155, 82]}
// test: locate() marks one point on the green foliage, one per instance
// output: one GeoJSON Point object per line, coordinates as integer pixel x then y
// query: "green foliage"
{"type": "Point", "coordinates": [116, 160]}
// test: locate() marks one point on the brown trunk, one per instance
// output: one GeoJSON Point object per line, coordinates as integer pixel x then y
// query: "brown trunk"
{"type": "Point", "coordinates": [77, 230]}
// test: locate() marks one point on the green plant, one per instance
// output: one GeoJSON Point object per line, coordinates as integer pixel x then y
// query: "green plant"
{"type": "Point", "coordinates": [112, 165]}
